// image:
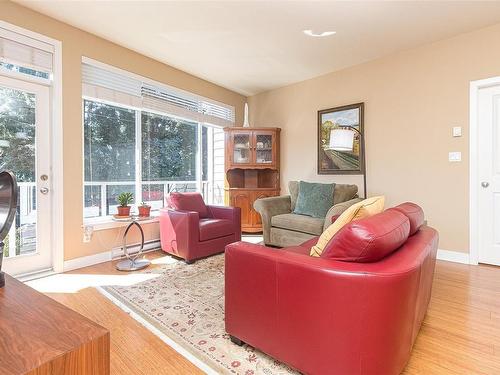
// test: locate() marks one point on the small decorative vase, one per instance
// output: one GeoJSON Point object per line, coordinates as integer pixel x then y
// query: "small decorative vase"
{"type": "Point", "coordinates": [246, 124]}
{"type": "Point", "coordinates": [123, 210]}
{"type": "Point", "coordinates": [144, 211]}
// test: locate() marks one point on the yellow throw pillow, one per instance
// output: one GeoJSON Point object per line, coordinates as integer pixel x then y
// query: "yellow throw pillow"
{"type": "Point", "coordinates": [360, 210]}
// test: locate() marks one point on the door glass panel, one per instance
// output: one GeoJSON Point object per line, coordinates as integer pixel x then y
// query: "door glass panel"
{"type": "Point", "coordinates": [264, 148]}
{"type": "Point", "coordinates": [241, 153]}
{"type": "Point", "coordinates": [17, 153]}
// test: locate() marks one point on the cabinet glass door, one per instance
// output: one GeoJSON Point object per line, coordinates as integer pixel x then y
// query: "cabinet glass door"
{"type": "Point", "coordinates": [264, 148]}
{"type": "Point", "coordinates": [241, 148]}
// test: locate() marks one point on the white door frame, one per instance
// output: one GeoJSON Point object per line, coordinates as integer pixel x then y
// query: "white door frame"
{"type": "Point", "coordinates": [56, 142]}
{"type": "Point", "coordinates": [42, 258]}
{"type": "Point", "coordinates": [475, 86]}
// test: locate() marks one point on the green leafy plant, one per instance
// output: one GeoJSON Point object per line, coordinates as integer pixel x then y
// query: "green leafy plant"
{"type": "Point", "coordinates": [124, 199]}
{"type": "Point", "coordinates": [144, 204]}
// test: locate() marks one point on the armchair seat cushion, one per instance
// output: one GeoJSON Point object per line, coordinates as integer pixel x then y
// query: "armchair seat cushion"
{"type": "Point", "coordinates": [298, 223]}
{"type": "Point", "coordinates": [215, 228]}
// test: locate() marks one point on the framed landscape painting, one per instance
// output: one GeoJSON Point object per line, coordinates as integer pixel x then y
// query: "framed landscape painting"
{"type": "Point", "coordinates": [341, 147]}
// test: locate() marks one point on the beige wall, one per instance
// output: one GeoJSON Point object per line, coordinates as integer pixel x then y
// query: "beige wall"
{"type": "Point", "coordinates": [412, 100]}
{"type": "Point", "coordinates": [77, 43]}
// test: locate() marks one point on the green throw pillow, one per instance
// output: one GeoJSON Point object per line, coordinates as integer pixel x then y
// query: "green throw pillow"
{"type": "Point", "coordinates": [314, 199]}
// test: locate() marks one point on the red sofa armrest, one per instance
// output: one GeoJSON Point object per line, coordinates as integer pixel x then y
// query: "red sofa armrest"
{"type": "Point", "coordinates": [311, 312]}
{"type": "Point", "coordinates": [179, 231]}
{"type": "Point", "coordinates": [228, 213]}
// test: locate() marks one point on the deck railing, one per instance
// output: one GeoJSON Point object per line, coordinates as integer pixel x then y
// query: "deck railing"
{"type": "Point", "coordinates": [100, 197]}
{"type": "Point", "coordinates": [99, 203]}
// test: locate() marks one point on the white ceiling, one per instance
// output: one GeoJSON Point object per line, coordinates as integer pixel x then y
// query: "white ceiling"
{"type": "Point", "coordinates": [254, 46]}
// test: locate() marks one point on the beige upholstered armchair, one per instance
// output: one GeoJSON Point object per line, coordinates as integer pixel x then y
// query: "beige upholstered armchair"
{"type": "Point", "coordinates": [281, 227]}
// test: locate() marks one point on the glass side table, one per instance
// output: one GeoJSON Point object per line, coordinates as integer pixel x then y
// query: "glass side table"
{"type": "Point", "coordinates": [132, 262]}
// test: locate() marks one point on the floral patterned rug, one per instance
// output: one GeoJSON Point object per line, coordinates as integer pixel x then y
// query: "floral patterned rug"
{"type": "Point", "coordinates": [184, 305]}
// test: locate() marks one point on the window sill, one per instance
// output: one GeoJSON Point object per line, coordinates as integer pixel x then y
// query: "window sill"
{"type": "Point", "coordinates": [106, 223]}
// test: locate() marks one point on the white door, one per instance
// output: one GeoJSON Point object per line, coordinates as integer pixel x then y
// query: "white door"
{"type": "Point", "coordinates": [25, 150]}
{"type": "Point", "coordinates": [489, 175]}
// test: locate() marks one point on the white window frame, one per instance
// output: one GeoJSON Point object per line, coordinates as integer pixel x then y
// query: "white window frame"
{"type": "Point", "coordinates": [56, 135]}
{"type": "Point", "coordinates": [105, 221]}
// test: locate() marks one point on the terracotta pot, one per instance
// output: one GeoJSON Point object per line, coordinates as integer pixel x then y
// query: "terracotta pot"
{"type": "Point", "coordinates": [123, 210]}
{"type": "Point", "coordinates": [144, 211]}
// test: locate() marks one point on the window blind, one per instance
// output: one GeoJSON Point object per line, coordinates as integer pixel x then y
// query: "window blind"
{"type": "Point", "coordinates": [25, 53]}
{"type": "Point", "coordinates": [112, 86]}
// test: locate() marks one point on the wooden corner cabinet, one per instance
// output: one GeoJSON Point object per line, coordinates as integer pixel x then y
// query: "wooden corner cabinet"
{"type": "Point", "coordinates": [252, 164]}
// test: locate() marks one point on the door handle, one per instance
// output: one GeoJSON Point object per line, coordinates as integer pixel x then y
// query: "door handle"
{"type": "Point", "coordinates": [485, 184]}
{"type": "Point", "coordinates": [44, 190]}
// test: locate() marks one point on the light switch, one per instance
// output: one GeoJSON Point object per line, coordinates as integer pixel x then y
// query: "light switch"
{"type": "Point", "coordinates": [455, 156]}
{"type": "Point", "coordinates": [457, 131]}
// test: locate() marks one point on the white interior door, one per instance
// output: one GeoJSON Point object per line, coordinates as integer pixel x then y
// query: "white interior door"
{"type": "Point", "coordinates": [25, 150]}
{"type": "Point", "coordinates": [489, 175]}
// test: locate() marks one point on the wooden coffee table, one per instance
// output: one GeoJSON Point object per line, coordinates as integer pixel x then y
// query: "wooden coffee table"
{"type": "Point", "coordinates": [39, 336]}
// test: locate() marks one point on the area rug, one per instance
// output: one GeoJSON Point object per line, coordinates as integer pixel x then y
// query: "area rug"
{"type": "Point", "coordinates": [184, 306]}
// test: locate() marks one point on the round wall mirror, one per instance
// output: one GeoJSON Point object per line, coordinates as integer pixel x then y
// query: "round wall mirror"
{"type": "Point", "coordinates": [8, 202]}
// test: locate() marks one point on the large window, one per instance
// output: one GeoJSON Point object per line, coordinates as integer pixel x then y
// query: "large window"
{"type": "Point", "coordinates": [149, 139]}
{"type": "Point", "coordinates": [109, 154]}
{"type": "Point", "coordinates": [148, 154]}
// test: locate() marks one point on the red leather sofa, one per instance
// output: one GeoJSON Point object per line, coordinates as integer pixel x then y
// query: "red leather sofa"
{"type": "Point", "coordinates": [189, 229]}
{"type": "Point", "coordinates": [355, 310]}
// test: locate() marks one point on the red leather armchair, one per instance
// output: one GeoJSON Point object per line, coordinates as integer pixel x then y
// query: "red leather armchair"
{"type": "Point", "coordinates": [327, 316]}
{"type": "Point", "coordinates": [198, 231]}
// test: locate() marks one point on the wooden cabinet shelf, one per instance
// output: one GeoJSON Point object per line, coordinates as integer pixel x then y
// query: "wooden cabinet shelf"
{"type": "Point", "coordinates": [252, 170]}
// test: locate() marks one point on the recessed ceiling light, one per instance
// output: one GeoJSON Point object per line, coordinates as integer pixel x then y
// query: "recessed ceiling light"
{"type": "Point", "coordinates": [319, 35]}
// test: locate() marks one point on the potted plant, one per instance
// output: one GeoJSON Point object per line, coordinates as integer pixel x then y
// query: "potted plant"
{"type": "Point", "coordinates": [144, 210]}
{"type": "Point", "coordinates": [124, 199]}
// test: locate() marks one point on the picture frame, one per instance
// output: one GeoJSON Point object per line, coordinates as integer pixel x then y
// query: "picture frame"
{"type": "Point", "coordinates": [344, 154]}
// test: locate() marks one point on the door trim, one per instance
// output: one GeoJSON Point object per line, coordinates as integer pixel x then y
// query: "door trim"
{"type": "Point", "coordinates": [475, 86]}
{"type": "Point", "coordinates": [56, 125]}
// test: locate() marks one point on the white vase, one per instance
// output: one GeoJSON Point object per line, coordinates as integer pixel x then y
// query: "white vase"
{"type": "Point", "coordinates": [246, 124]}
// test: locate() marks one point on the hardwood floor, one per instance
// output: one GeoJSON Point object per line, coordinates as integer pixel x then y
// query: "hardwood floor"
{"type": "Point", "coordinates": [460, 335]}
{"type": "Point", "coordinates": [134, 349]}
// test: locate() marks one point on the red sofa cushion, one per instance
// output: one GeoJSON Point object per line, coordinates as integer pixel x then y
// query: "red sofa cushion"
{"type": "Point", "coordinates": [414, 213]}
{"type": "Point", "coordinates": [215, 228]}
{"type": "Point", "coordinates": [298, 250]}
{"type": "Point", "coordinates": [369, 239]}
{"type": "Point", "coordinates": [309, 243]}
{"type": "Point", "coordinates": [189, 202]}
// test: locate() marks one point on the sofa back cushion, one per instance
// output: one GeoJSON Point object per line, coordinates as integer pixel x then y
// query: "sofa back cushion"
{"type": "Point", "coordinates": [370, 239]}
{"type": "Point", "coordinates": [344, 193]}
{"type": "Point", "coordinates": [341, 193]}
{"type": "Point", "coordinates": [189, 202]}
{"type": "Point", "coordinates": [365, 208]}
{"type": "Point", "coordinates": [314, 199]}
{"type": "Point", "coordinates": [414, 213]}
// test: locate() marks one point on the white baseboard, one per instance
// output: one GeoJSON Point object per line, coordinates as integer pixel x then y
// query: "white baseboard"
{"type": "Point", "coordinates": [89, 260]}
{"type": "Point", "coordinates": [453, 256]}
{"type": "Point", "coordinates": [106, 256]}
